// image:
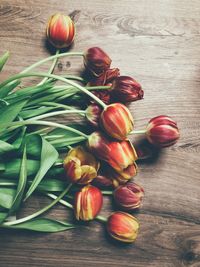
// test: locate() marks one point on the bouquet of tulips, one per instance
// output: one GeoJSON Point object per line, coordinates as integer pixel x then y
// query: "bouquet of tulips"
{"type": "Point", "coordinates": [98, 156]}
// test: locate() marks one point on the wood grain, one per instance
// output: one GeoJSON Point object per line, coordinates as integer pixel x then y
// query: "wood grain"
{"type": "Point", "coordinates": [157, 42]}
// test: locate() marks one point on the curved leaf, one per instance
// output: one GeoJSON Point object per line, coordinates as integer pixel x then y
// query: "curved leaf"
{"type": "Point", "coordinates": [3, 59]}
{"type": "Point", "coordinates": [21, 184]}
{"type": "Point", "coordinates": [6, 197]}
{"type": "Point", "coordinates": [43, 225]}
{"type": "Point", "coordinates": [49, 155]}
{"type": "Point", "coordinates": [10, 112]}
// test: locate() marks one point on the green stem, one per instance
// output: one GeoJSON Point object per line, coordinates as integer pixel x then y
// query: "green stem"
{"type": "Point", "coordinates": [38, 213]}
{"type": "Point", "coordinates": [138, 132]}
{"type": "Point", "coordinates": [67, 204]}
{"type": "Point", "coordinates": [105, 87]}
{"type": "Point", "coordinates": [58, 105]}
{"type": "Point", "coordinates": [51, 68]}
{"type": "Point", "coordinates": [38, 63]}
{"type": "Point", "coordinates": [108, 193]}
{"type": "Point", "coordinates": [55, 113]}
{"type": "Point", "coordinates": [46, 123]}
{"type": "Point", "coordinates": [101, 219]}
{"type": "Point", "coordinates": [81, 88]}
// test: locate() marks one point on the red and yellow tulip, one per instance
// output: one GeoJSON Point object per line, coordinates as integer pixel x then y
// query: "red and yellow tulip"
{"type": "Point", "coordinates": [123, 227]}
{"type": "Point", "coordinates": [60, 30]}
{"type": "Point", "coordinates": [117, 121]}
{"type": "Point", "coordinates": [120, 155]}
{"type": "Point", "coordinates": [80, 166]}
{"type": "Point", "coordinates": [88, 203]}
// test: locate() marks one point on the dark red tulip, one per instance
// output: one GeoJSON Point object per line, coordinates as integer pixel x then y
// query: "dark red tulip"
{"type": "Point", "coordinates": [129, 196]}
{"type": "Point", "coordinates": [125, 89]}
{"type": "Point", "coordinates": [96, 61]}
{"type": "Point", "coordinates": [162, 131]}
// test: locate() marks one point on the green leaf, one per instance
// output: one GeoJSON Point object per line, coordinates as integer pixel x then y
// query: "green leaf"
{"type": "Point", "coordinates": [49, 155]}
{"type": "Point", "coordinates": [5, 147]}
{"type": "Point", "coordinates": [26, 92]}
{"type": "Point", "coordinates": [8, 88]}
{"type": "Point", "coordinates": [21, 184]}
{"type": "Point", "coordinates": [19, 139]}
{"type": "Point", "coordinates": [10, 112]}
{"type": "Point", "coordinates": [46, 185]}
{"type": "Point", "coordinates": [12, 168]}
{"type": "Point", "coordinates": [6, 197]}
{"type": "Point", "coordinates": [51, 185]}
{"type": "Point", "coordinates": [43, 225]}
{"type": "Point", "coordinates": [3, 59]}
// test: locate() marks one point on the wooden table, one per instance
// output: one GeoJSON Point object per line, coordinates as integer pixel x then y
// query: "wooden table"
{"type": "Point", "coordinates": [158, 43]}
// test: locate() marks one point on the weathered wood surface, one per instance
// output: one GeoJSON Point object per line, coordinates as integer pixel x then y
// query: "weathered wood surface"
{"type": "Point", "coordinates": [158, 43]}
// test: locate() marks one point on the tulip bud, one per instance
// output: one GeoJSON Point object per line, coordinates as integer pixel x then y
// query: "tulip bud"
{"type": "Point", "coordinates": [96, 61]}
{"type": "Point", "coordinates": [93, 113]}
{"type": "Point", "coordinates": [60, 30]}
{"type": "Point", "coordinates": [117, 121]}
{"type": "Point", "coordinates": [80, 166]}
{"type": "Point", "coordinates": [129, 196]}
{"type": "Point", "coordinates": [126, 89]}
{"type": "Point", "coordinates": [123, 227]}
{"type": "Point", "coordinates": [162, 131]}
{"type": "Point", "coordinates": [105, 78]}
{"type": "Point", "coordinates": [102, 181]}
{"type": "Point", "coordinates": [88, 203]}
{"type": "Point", "coordinates": [120, 155]}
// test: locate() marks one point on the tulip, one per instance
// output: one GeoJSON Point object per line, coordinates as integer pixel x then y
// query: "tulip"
{"type": "Point", "coordinates": [88, 203]}
{"type": "Point", "coordinates": [93, 113]}
{"type": "Point", "coordinates": [129, 196]}
{"type": "Point", "coordinates": [123, 227]}
{"type": "Point", "coordinates": [126, 89]}
{"type": "Point", "coordinates": [102, 181]}
{"type": "Point", "coordinates": [105, 78]}
{"type": "Point", "coordinates": [162, 131]}
{"type": "Point", "coordinates": [117, 121]}
{"type": "Point", "coordinates": [80, 166]}
{"type": "Point", "coordinates": [96, 61]}
{"type": "Point", "coordinates": [120, 155]}
{"type": "Point", "coordinates": [104, 95]}
{"type": "Point", "coordinates": [60, 30]}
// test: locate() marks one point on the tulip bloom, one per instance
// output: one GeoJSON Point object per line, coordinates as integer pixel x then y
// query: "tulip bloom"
{"type": "Point", "coordinates": [93, 113]}
{"type": "Point", "coordinates": [120, 155]}
{"type": "Point", "coordinates": [117, 121]}
{"type": "Point", "coordinates": [162, 131]}
{"type": "Point", "coordinates": [129, 196]}
{"type": "Point", "coordinates": [60, 30]}
{"type": "Point", "coordinates": [80, 166]}
{"type": "Point", "coordinates": [123, 227]}
{"type": "Point", "coordinates": [96, 61]}
{"type": "Point", "coordinates": [125, 89]}
{"type": "Point", "coordinates": [102, 181]}
{"type": "Point", "coordinates": [88, 203]}
{"type": "Point", "coordinates": [105, 78]}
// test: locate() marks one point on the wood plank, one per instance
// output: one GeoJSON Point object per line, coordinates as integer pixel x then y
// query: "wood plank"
{"type": "Point", "coordinates": [156, 42]}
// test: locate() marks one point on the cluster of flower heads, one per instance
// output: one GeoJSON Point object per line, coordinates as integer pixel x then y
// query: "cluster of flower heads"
{"type": "Point", "coordinates": [109, 158]}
